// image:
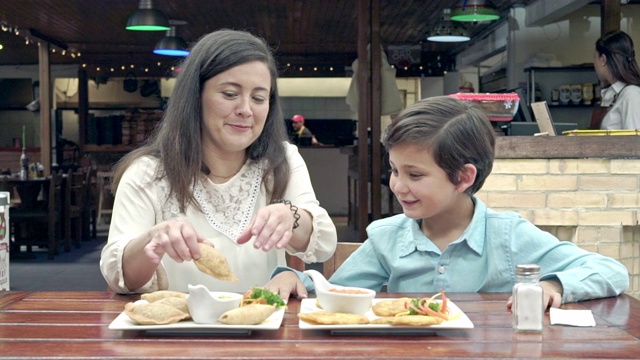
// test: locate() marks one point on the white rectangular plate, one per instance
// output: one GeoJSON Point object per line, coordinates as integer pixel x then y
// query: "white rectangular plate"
{"type": "Point", "coordinates": [460, 322]}
{"type": "Point", "coordinates": [273, 322]}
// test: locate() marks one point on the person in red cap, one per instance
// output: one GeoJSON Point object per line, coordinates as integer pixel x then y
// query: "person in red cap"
{"type": "Point", "coordinates": [304, 136]}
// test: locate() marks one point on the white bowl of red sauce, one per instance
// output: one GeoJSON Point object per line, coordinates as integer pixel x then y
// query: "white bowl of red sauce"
{"type": "Point", "coordinates": [342, 299]}
{"type": "Point", "coordinates": [345, 299]}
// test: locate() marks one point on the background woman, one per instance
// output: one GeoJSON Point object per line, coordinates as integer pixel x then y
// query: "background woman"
{"type": "Point", "coordinates": [614, 60]}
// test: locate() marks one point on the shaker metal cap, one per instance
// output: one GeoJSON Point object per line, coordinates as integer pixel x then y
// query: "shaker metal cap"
{"type": "Point", "coordinates": [527, 269]}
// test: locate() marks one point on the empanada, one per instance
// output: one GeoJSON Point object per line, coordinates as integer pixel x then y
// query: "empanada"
{"type": "Point", "coordinates": [409, 320]}
{"type": "Point", "coordinates": [211, 262]}
{"type": "Point", "coordinates": [161, 294]}
{"type": "Point", "coordinates": [390, 307]}
{"type": "Point", "coordinates": [247, 315]}
{"type": "Point", "coordinates": [154, 313]}
{"type": "Point", "coordinates": [175, 302]}
{"type": "Point", "coordinates": [331, 318]}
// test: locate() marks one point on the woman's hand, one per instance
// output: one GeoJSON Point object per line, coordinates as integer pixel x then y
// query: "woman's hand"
{"type": "Point", "coordinates": [286, 284]}
{"type": "Point", "coordinates": [272, 227]}
{"type": "Point", "coordinates": [552, 297]}
{"type": "Point", "coordinates": [177, 238]}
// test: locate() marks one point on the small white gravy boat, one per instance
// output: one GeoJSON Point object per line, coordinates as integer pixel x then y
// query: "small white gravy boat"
{"type": "Point", "coordinates": [206, 306]}
{"type": "Point", "coordinates": [343, 299]}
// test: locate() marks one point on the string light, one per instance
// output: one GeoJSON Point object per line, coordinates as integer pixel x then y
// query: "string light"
{"type": "Point", "coordinates": [55, 47]}
{"type": "Point", "coordinates": [435, 67]}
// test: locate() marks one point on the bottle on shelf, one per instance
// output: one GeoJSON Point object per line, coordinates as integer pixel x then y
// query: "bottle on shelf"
{"type": "Point", "coordinates": [24, 164]}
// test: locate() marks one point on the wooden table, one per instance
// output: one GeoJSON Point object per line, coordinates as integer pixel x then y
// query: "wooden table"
{"type": "Point", "coordinates": [74, 325]}
{"type": "Point", "coordinates": [27, 189]}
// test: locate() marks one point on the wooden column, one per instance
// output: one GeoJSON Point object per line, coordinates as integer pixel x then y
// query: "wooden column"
{"type": "Point", "coordinates": [369, 109]}
{"type": "Point", "coordinates": [363, 118]}
{"type": "Point", "coordinates": [609, 16]}
{"type": "Point", "coordinates": [83, 107]}
{"type": "Point", "coordinates": [44, 70]}
{"type": "Point", "coordinates": [375, 104]}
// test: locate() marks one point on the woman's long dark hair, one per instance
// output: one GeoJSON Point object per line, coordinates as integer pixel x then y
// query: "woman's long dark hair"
{"type": "Point", "coordinates": [177, 140]}
{"type": "Point", "coordinates": [617, 46]}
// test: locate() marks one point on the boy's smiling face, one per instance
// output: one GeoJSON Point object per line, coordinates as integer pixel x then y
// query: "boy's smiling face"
{"type": "Point", "coordinates": [420, 185]}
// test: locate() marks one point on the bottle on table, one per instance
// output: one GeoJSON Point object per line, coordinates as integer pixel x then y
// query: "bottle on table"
{"type": "Point", "coordinates": [528, 298]}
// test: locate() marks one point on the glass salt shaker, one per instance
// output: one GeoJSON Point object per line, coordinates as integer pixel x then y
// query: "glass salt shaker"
{"type": "Point", "coordinates": [527, 298]}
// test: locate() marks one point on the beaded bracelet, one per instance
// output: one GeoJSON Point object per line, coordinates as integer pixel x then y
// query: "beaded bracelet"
{"type": "Point", "coordinates": [293, 208]}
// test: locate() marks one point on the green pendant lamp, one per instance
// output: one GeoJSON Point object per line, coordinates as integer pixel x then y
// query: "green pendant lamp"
{"type": "Point", "coordinates": [474, 10]}
{"type": "Point", "coordinates": [146, 18]}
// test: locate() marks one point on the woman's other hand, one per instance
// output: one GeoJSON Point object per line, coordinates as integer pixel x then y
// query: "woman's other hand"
{"type": "Point", "coordinates": [272, 227]}
{"type": "Point", "coordinates": [286, 284]}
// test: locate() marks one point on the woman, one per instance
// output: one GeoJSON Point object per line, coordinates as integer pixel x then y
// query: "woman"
{"type": "Point", "coordinates": [214, 172]}
{"type": "Point", "coordinates": [615, 64]}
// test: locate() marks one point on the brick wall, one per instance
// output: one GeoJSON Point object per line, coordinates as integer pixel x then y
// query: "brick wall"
{"type": "Point", "coordinates": [592, 202]}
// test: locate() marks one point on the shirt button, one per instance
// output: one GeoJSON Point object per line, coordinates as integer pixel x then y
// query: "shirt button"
{"type": "Point", "coordinates": [309, 254]}
{"type": "Point", "coordinates": [441, 269]}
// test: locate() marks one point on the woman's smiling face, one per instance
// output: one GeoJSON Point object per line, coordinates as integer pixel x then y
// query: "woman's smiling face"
{"type": "Point", "coordinates": [235, 105]}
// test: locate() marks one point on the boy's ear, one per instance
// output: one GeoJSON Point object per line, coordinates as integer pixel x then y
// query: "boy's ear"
{"type": "Point", "coordinates": [466, 177]}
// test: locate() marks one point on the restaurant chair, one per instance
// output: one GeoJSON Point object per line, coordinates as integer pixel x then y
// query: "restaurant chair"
{"type": "Point", "coordinates": [90, 208]}
{"type": "Point", "coordinates": [73, 208]}
{"type": "Point", "coordinates": [295, 262]}
{"type": "Point", "coordinates": [40, 225]}
{"type": "Point", "coordinates": [105, 197]}
{"type": "Point", "coordinates": [343, 250]}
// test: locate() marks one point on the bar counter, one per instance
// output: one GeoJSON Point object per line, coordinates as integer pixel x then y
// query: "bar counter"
{"type": "Point", "coordinates": [567, 147]}
{"type": "Point", "coordinates": [73, 325]}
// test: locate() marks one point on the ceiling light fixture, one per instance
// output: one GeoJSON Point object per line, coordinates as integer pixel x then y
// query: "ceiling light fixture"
{"type": "Point", "coordinates": [146, 18]}
{"type": "Point", "coordinates": [447, 31]}
{"type": "Point", "coordinates": [172, 44]}
{"type": "Point", "coordinates": [474, 10]}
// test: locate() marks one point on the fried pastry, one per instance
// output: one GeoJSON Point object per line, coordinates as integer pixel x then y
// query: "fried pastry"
{"type": "Point", "coordinates": [161, 294]}
{"type": "Point", "coordinates": [247, 315]}
{"type": "Point", "coordinates": [154, 313]}
{"type": "Point", "coordinates": [331, 318]}
{"type": "Point", "coordinates": [391, 307]}
{"type": "Point", "coordinates": [211, 262]}
{"type": "Point", "coordinates": [175, 302]}
{"type": "Point", "coordinates": [409, 320]}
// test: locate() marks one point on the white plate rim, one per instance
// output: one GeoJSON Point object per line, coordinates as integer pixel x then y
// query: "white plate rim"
{"type": "Point", "coordinates": [309, 305]}
{"type": "Point", "coordinates": [123, 322]}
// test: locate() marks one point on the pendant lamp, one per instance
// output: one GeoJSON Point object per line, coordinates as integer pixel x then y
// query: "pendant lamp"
{"type": "Point", "coordinates": [474, 10]}
{"type": "Point", "coordinates": [172, 44]}
{"type": "Point", "coordinates": [447, 31]}
{"type": "Point", "coordinates": [146, 18]}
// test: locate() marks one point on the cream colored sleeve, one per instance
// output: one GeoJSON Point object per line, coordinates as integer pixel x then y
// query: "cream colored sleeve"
{"type": "Point", "coordinates": [322, 243]}
{"type": "Point", "coordinates": [134, 212]}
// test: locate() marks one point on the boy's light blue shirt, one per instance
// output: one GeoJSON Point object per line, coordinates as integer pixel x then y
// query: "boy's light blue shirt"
{"type": "Point", "coordinates": [483, 259]}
